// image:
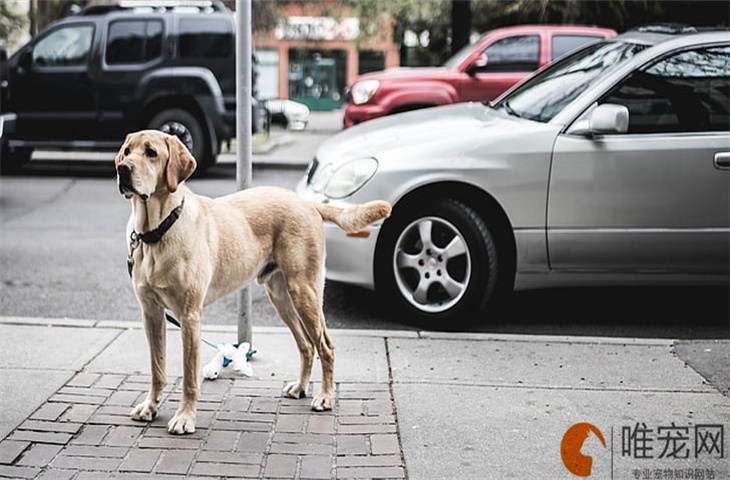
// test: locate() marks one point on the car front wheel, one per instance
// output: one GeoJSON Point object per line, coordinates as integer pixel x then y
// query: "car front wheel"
{"type": "Point", "coordinates": [438, 263]}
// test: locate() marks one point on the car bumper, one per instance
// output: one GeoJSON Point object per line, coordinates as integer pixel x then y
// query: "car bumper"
{"type": "Point", "coordinates": [298, 121]}
{"type": "Point", "coordinates": [355, 114]}
{"type": "Point", "coordinates": [350, 259]}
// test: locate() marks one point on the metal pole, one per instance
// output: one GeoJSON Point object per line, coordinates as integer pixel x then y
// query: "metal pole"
{"type": "Point", "coordinates": [243, 140]}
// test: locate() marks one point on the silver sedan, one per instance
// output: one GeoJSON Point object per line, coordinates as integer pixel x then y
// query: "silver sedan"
{"type": "Point", "coordinates": [609, 167]}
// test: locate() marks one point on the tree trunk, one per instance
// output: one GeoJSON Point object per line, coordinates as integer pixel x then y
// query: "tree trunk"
{"type": "Point", "coordinates": [460, 24]}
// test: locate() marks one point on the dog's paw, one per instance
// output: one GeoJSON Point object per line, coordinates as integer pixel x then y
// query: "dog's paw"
{"type": "Point", "coordinates": [144, 412]}
{"type": "Point", "coordinates": [182, 423]}
{"type": "Point", "coordinates": [322, 402]}
{"type": "Point", "coordinates": [294, 390]}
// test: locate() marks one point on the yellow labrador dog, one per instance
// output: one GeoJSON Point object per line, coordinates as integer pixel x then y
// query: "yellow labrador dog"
{"type": "Point", "coordinates": [186, 251]}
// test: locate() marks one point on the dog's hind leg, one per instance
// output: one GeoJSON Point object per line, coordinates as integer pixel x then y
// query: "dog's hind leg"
{"type": "Point", "coordinates": [307, 300]}
{"type": "Point", "coordinates": [324, 400]}
{"type": "Point", "coordinates": [153, 317]}
{"type": "Point", "coordinates": [282, 302]}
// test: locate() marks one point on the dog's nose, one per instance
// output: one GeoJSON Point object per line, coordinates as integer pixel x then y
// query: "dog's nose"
{"type": "Point", "coordinates": [124, 168]}
{"type": "Point", "coordinates": [124, 177]}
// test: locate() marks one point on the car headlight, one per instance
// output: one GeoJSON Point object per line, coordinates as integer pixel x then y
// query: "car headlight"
{"type": "Point", "coordinates": [364, 91]}
{"type": "Point", "coordinates": [346, 179]}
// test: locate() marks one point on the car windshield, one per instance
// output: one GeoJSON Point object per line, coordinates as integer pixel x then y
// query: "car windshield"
{"type": "Point", "coordinates": [547, 93]}
{"type": "Point", "coordinates": [461, 55]}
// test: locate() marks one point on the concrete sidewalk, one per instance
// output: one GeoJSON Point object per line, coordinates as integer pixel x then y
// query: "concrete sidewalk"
{"type": "Point", "coordinates": [414, 405]}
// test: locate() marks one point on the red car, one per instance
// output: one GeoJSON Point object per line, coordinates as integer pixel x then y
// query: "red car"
{"type": "Point", "coordinates": [479, 72]}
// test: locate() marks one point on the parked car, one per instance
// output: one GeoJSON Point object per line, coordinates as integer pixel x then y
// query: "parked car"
{"type": "Point", "coordinates": [610, 166]}
{"type": "Point", "coordinates": [112, 68]}
{"type": "Point", "coordinates": [287, 113]}
{"type": "Point", "coordinates": [479, 72]}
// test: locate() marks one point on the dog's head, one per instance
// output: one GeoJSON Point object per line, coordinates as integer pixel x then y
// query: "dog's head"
{"type": "Point", "coordinates": [152, 162]}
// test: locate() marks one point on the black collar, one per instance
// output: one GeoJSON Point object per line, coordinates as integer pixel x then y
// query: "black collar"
{"type": "Point", "coordinates": [154, 236]}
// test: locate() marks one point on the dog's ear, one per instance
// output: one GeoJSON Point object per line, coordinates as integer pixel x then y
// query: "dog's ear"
{"type": "Point", "coordinates": [180, 164]}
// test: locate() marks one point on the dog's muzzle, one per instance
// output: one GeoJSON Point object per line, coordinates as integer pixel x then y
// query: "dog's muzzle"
{"type": "Point", "coordinates": [124, 180]}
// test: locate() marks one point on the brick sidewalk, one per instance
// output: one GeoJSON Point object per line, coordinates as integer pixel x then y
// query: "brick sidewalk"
{"type": "Point", "coordinates": [245, 429]}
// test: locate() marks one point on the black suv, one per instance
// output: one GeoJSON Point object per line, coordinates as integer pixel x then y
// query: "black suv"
{"type": "Point", "coordinates": [88, 80]}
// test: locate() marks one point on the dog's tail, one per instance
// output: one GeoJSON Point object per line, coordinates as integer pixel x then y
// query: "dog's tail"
{"type": "Point", "coordinates": [354, 218]}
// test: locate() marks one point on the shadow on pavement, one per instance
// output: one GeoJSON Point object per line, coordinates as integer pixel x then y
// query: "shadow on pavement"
{"type": "Point", "coordinates": [645, 312]}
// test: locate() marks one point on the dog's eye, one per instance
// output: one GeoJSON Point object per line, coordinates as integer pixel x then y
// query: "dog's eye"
{"type": "Point", "coordinates": [126, 151]}
{"type": "Point", "coordinates": [150, 153]}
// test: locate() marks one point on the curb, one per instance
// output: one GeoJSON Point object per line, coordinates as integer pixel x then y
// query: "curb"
{"type": "Point", "coordinates": [424, 335]}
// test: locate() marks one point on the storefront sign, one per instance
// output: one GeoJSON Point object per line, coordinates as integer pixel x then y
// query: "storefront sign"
{"type": "Point", "coordinates": [317, 28]}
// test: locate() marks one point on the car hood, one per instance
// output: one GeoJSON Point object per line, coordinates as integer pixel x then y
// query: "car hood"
{"type": "Point", "coordinates": [429, 130]}
{"type": "Point", "coordinates": [409, 73]}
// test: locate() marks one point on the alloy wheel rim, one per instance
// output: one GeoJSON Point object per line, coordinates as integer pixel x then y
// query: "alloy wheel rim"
{"type": "Point", "coordinates": [432, 264]}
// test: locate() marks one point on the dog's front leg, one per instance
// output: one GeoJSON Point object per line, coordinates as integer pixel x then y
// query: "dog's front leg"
{"type": "Point", "coordinates": [153, 317]}
{"type": "Point", "coordinates": [184, 419]}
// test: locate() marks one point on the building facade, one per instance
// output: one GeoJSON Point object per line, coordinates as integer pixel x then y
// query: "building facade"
{"type": "Point", "coordinates": [313, 54]}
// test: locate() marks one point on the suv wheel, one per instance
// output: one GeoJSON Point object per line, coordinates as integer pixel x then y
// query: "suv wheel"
{"type": "Point", "coordinates": [187, 128]}
{"type": "Point", "coordinates": [438, 264]}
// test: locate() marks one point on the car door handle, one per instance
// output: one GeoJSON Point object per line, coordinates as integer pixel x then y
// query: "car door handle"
{"type": "Point", "coordinates": [722, 160]}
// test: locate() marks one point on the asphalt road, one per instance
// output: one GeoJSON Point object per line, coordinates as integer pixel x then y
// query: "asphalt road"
{"type": "Point", "coordinates": [62, 254]}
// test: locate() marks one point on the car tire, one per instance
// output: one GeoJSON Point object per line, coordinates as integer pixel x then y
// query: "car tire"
{"type": "Point", "coordinates": [187, 128]}
{"type": "Point", "coordinates": [437, 263]}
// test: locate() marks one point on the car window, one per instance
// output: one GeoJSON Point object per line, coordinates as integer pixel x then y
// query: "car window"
{"type": "Point", "coordinates": [462, 54]}
{"type": "Point", "coordinates": [562, 44]}
{"type": "Point", "coordinates": [205, 38]}
{"type": "Point", "coordinates": [513, 54]}
{"type": "Point", "coordinates": [686, 92]}
{"type": "Point", "coordinates": [134, 41]}
{"type": "Point", "coordinates": [67, 46]}
{"type": "Point", "coordinates": [548, 92]}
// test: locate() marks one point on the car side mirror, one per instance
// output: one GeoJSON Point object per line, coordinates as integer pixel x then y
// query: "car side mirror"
{"type": "Point", "coordinates": [603, 119]}
{"type": "Point", "coordinates": [477, 64]}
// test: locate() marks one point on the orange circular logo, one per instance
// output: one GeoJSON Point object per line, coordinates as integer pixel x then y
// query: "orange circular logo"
{"type": "Point", "coordinates": [570, 448]}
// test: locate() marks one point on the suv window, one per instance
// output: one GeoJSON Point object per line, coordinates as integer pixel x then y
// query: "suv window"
{"type": "Point", "coordinates": [685, 92]}
{"type": "Point", "coordinates": [134, 41]}
{"type": "Point", "coordinates": [513, 54]}
{"type": "Point", "coordinates": [67, 46]}
{"type": "Point", "coordinates": [562, 44]}
{"type": "Point", "coordinates": [205, 38]}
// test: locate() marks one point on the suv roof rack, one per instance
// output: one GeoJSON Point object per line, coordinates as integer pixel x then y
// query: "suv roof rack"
{"type": "Point", "coordinates": [153, 6]}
